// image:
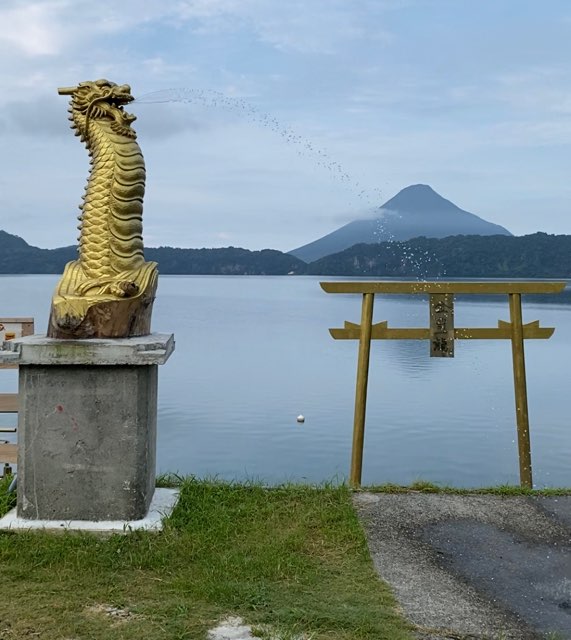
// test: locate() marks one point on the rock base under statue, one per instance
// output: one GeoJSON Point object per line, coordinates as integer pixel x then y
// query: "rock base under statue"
{"type": "Point", "coordinates": [87, 426]}
{"type": "Point", "coordinates": [77, 315]}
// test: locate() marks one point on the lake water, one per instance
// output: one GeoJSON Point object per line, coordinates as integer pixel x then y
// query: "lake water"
{"type": "Point", "coordinates": [254, 352]}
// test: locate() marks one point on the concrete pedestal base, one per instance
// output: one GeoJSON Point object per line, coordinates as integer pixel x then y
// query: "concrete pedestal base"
{"type": "Point", "coordinates": [162, 504]}
{"type": "Point", "coordinates": [87, 426]}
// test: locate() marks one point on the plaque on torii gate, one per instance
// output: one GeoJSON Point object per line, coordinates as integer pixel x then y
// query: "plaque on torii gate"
{"type": "Point", "coordinates": [442, 334]}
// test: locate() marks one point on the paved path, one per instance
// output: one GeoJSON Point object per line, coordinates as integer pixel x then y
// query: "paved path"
{"type": "Point", "coordinates": [474, 566]}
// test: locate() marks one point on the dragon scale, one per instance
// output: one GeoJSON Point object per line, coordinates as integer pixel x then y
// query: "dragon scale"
{"type": "Point", "coordinates": [111, 226]}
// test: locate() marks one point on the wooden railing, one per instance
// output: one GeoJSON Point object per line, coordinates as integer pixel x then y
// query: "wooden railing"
{"type": "Point", "coordinates": [11, 328]}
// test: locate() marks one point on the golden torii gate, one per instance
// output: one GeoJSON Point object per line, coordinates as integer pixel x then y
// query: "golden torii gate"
{"type": "Point", "coordinates": [441, 335]}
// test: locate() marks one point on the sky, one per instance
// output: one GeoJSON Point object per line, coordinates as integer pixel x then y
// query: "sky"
{"type": "Point", "coordinates": [292, 118]}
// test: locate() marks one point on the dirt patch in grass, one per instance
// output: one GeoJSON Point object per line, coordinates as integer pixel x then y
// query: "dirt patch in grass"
{"type": "Point", "coordinates": [115, 615]}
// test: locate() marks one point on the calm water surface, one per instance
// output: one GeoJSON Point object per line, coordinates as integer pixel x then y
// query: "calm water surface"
{"type": "Point", "coordinates": [254, 352]}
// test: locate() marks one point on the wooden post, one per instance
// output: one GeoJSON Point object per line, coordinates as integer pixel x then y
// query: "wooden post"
{"type": "Point", "coordinates": [11, 328]}
{"type": "Point", "coordinates": [9, 402]}
{"type": "Point", "coordinates": [522, 417]}
{"type": "Point", "coordinates": [361, 389]}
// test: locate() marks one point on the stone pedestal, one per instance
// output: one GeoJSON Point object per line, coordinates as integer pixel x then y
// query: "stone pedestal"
{"type": "Point", "coordinates": [87, 426]}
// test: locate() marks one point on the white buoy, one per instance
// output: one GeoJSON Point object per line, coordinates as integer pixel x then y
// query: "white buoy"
{"type": "Point", "coordinates": [300, 418]}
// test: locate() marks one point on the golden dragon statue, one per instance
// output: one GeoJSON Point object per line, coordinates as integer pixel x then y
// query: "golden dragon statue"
{"type": "Point", "coordinates": [108, 292]}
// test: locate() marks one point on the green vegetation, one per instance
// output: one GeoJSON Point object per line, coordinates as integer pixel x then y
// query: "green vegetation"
{"type": "Point", "coordinates": [291, 559]}
{"type": "Point", "coordinates": [534, 256]}
{"type": "Point", "coordinates": [226, 261]}
{"type": "Point", "coordinates": [423, 486]}
{"type": "Point", "coordinates": [16, 256]}
{"type": "Point", "coordinates": [7, 501]}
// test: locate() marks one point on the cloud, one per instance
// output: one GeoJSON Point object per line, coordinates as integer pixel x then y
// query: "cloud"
{"type": "Point", "coordinates": [544, 89]}
{"type": "Point", "coordinates": [395, 99]}
{"type": "Point", "coordinates": [48, 28]}
{"type": "Point", "coordinates": [33, 28]}
{"type": "Point", "coordinates": [43, 116]}
{"type": "Point", "coordinates": [45, 43]}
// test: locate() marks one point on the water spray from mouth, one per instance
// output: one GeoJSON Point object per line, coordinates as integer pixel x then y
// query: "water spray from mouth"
{"type": "Point", "coordinates": [240, 106]}
{"type": "Point", "coordinates": [215, 99]}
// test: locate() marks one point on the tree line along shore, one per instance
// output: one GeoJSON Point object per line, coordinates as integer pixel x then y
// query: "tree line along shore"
{"type": "Point", "coordinates": [538, 255]}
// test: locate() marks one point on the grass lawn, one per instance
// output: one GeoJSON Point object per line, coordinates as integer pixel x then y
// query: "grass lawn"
{"type": "Point", "coordinates": [422, 486]}
{"type": "Point", "coordinates": [291, 558]}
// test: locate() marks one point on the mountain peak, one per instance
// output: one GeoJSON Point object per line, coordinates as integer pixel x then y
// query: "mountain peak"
{"type": "Point", "coordinates": [425, 188]}
{"type": "Point", "coordinates": [416, 211]}
{"type": "Point", "coordinates": [418, 198]}
{"type": "Point", "coordinates": [10, 241]}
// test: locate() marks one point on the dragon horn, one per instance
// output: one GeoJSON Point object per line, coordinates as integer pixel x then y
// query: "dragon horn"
{"type": "Point", "coordinates": [67, 91]}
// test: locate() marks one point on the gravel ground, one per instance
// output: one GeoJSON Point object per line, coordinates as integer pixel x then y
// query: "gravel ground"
{"type": "Point", "coordinates": [474, 566]}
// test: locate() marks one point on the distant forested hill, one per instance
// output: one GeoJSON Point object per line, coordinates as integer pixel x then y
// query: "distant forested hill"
{"type": "Point", "coordinates": [226, 261]}
{"type": "Point", "coordinates": [534, 256]}
{"type": "Point", "coordinates": [17, 256]}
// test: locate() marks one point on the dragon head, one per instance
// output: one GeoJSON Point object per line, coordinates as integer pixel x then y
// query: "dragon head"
{"type": "Point", "coordinates": [100, 100]}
